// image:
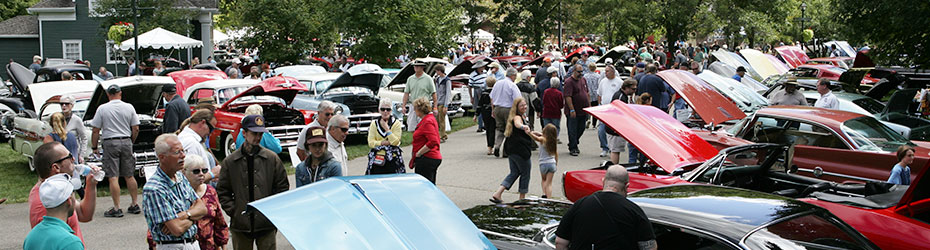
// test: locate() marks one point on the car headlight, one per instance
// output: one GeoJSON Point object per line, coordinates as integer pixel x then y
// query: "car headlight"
{"type": "Point", "coordinates": [338, 110]}
{"type": "Point", "coordinates": [457, 97]}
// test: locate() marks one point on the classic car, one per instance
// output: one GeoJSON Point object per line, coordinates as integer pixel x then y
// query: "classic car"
{"type": "Point", "coordinates": [728, 71]}
{"type": "Point", "coordinates": [687, 216]}
{"type": "Point", "coordinates": [793, 56]}
{"type": "Point", "coordinates": [842, 62]}
{"type": "Point", "coordinates": [762, 64]}
{"type": "Point", "coordinates": [184, 79]}
{"type": "Point", "coordinates": [353, 92]}
{"type": "Point", "coordinates": [144, 93]}
{"type": "Point", "coordinates": [21, 77]}
{"type": "Point", "coordinates": [298, 70]}
{"type": "Point", "coordinates": [736, 60]}
{"type": "Point", "coordinates": [220, 90]}
{"type": "Point", "coordinates": [621, 56]}
{"type": "Point", "coordinates": [29, 132]}
{"type": "Point", "coordinates": [843, 46]}
{"type": "Point", "coordinates": [461, 73]}
{"type": "Point", "coordinates": [533, 65]}
{"type": "Point", "coordinates": [513, 61]}
{"type": "Point", "coordinates": [896, 114]}
{"type": "Point", "coordinates": [745, 98]}
{"type": "Point", "coordinates": [395, 88]}
{"type": "Point", "coordinates": [274, 95]}
{"type": "Point", "coordinates": [371, 212]}
{"type": "Point", "coordinates": [678, 155]}
{"type": "Point", "coordinates": [711, 107]}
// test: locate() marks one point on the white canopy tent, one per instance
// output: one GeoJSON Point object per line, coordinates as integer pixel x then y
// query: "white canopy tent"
{"type": "Point", "coordinates": [159, 38]}
{"type": "Point", "coordinates": [219, 37]}
{"type": "Point", "coordinates": [480, 35]}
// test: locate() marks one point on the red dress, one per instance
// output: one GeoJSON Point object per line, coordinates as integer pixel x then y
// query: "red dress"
{"type": "Point", "coordinates": [212, 229]}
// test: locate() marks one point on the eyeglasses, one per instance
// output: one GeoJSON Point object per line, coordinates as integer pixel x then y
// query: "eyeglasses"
{"type": "Point", "coordinates": [67, 104]}
{"type": "Point", "coordinates": [344, 130]}
{"type": "Point", "coordinates": [201, 170]}
{"type": "Point", "coordinates": [329, 114]}
{"type": "Point", "coordinates": [385, 109]}
{"type": "Point", "coordinates": [177, 152]}
{"type": "Point", "coordinates": [66, 158]}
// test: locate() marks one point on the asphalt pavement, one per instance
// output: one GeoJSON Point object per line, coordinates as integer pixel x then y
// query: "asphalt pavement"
{"type": "Point", "coordinates": [467, 176]}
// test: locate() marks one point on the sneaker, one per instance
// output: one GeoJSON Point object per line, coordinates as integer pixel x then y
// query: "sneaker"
{"type": "Point", "coordinates": [113, 212]}
{"type": "Point", "coordinates": [134, 209]}
{"type": "Point", "coordinates": [480, 130]}
{"type": "Point", "coordinates": [573, 153]}
{"type": "Point", "coordinates": [497, 152]}
{"type": "Point", "coordinates": [603, 153]}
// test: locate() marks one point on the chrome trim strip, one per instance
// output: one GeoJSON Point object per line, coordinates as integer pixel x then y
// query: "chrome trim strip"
{"type": "Point", "coordinates": [838, 175]}
{"type": "Point", "coordinates": [506, 236]}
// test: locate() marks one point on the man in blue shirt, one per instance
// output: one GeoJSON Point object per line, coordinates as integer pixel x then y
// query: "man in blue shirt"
{"type": "Point", "coordinates": [53, 232]}
{"type": "Point", "coordinates": [655, 86]}
{"type": "Point", "coordinates": [170, 203]}
{"type": "Point", "coordinates": [740, 72]}
{"type": "Point", "coordinates": [901, 172]}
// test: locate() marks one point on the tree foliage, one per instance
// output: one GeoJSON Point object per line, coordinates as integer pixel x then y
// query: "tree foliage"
{"type": "Point", "coordinates": [898, 30]}
{"type": "Point", "coordinates": [12, 8]}
{"type": "Point", "coordinates": [476, 14]}
{"type": "Point", "coordinates": [283, 30]}
{"type": "Point", "coordinates": [530, 21]}
{"type": "Point", "coordinates": [161, 14]}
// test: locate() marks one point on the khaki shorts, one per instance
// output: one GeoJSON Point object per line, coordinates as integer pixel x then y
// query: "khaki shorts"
{"type": "Point", "coordinates": [118, 160]}
{"type": "Point", "coordinates": [615, 143]}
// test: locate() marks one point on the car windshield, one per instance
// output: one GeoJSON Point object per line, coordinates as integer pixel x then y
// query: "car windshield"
{"type": "Point", "coordinates": [871, 105]}
{"type": "Point", "coordinates": [258, 99]}
{"type": "Point", "coordinates": [871, 135]}
{"type": "Point", "coordinates": [836, 70]}
{"type": "Point", "coordinates": [323, 85]}
{"type": "Point", "coordinates": [805, 232]}
{"type": "Point", "coordinates": [224, 95]}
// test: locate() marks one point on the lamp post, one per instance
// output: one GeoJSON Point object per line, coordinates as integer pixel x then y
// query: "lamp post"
{"type": "Point", "coordinates": [803, 18]}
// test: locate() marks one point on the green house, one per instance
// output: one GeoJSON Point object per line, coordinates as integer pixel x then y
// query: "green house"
{"type": "Point", "coordinates": [68, 29]}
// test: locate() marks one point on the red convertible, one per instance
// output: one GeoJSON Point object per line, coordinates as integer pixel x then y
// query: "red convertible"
{"type": "Point", "coordinates": [677, 155]}
{"type": "Point", "coordinates": [274, 95]}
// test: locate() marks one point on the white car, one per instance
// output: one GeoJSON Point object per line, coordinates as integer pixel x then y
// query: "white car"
{"type": "Point", "coordinates": [394, 89]}
{"type": "Point", "coordinates": [29, 132]}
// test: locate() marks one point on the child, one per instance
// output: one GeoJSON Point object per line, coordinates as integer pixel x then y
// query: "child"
{"type": "Point", "coordinates": [548, 156]}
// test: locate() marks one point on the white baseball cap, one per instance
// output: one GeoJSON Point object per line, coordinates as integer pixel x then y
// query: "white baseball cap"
{"type": "Point", "coordinates": [55, 190]}
{"type": "Point", "coordinates": [551, 70]}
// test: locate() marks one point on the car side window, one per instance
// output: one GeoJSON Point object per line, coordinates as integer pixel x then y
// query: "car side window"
{"type": "Point", "coordinates": [766, 130]}
{"type": "Point", "coordinates": [815, 135]}
{"type": "Point", "coordinates": [672, 237]}
{"type": "Point", "coordinates": [201, 93]}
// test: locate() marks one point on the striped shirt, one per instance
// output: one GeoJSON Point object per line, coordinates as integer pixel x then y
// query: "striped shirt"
{"type": "Point", "coordinates": [163, 199]}
{"type": "Point", "coordinates": [476, 80]}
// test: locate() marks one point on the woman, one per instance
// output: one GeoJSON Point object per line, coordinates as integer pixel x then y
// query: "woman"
{"type": "Point", "coordinates": [158, 68]}
{"type": "Point", "coordinates": [485, 108]}
{"type": "Point", "coordinates": [212, 230]}
{"type": "Point", "coordinates": [268, 140]}
{"type": "Point", "coordinates": [66, 138]}
{"type": "Point", "coordinates": [518, 147]}
{"type": "Point", "coordinates": [320, 163]}
{"type": "Point", "coordinates": [384, 140]}
{"type": "Point", "coordinates": [426, 157]}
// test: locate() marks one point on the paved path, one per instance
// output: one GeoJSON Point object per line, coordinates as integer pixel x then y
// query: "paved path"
{"type": "Point", "coordinates": [466, 175]}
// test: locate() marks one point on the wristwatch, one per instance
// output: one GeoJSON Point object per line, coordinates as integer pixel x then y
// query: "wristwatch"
{"type": "Point", "coordinates": [189, 217]}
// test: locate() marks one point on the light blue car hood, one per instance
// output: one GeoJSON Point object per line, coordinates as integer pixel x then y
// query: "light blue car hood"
{"type": "Point", "coordinates": [399, 211]}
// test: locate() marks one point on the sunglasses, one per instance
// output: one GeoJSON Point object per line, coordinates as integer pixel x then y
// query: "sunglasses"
{"type": "Point", "coordinates": [344, 130]}
{"type": "Point", "coordinates": [199, 171]}
{"type": "Point", "coordinates": [385, 109]}
{"type": "Point", "coordinates": [329, 114]}
{"type": "Point", "coordinates": [66, 158]}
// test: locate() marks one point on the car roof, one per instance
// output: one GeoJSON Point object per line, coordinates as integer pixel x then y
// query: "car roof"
{"type": "Point", "coordinates": [318, 76]}
{"type": "Point", "coordinates": [133, 80]}
{"type": "Point", "coordinates": [830, 117]}
{"type": "Point", "coordinates": [725, 211]}
{"type": "Point", "coordinates": [225, 83]}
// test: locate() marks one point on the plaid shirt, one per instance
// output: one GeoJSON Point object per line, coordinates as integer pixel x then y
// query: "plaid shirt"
{"type": "Point", "coordinates": [163, 199]}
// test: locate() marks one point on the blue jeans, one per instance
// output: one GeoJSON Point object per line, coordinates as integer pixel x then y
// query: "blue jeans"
{"type": "Point", "coordinates": [480, 121]}
{"type": "Point", "coordinates": [555, 122]}
{"type": "Point", "coordinates": [602, 136]}
{"type": "Point", "coordinates": [519, 167]}
{"type": "Point", "coordinates": [575, 129]}
{"type": "Point", "coordinates": [635, 155]}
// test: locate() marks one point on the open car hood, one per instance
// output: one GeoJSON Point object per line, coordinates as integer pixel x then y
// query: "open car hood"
{"type": "Point", "coordinates": [736, 60]}
{"type": "Point", "coordinates": [371, 212]}
{"type": "Point", "coordinates": [555, 55]}
{"type": "Point", "coordinates": [464, 67]}
{"type": "Point", "coordinates": [900, 101]}
{"type": "Point", "coordinates": [615, 54]}
{"type": "Point", "coordinates": [577, 53]}
{"type": "Point", "coordinates": [704, 99]}
{"type": "Point", "coordinates": [431, 63]}
{"type": "Point", "coordinates": [364, 75]}
{"type": "Point", "coordinates": [20, 75]}
{"type": "Point", "coordinates": [747, 99]}
{"type": "Point", "coordinates": [41, 92]}
{"type": "Point", "coordinates": [142, 92]}
{"type": "Point", "coordinates": [761, 63]}
{"type": "Point", "coordinates": [660, 137]}
{"type": "Point", "coordinates": [280, 86]}
{"type": "Point", "coordinates": [794, 56]}
{"type": "Point", "coordinates": [187, 78]}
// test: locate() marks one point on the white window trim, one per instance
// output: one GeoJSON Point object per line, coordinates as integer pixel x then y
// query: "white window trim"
{"type": "Point", "coordinates": [80, 43]}
{"type": "Point", "coordinates": [109, 48]}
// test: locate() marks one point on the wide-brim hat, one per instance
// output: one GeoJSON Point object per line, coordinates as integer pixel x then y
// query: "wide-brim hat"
{"type": "Point", "coordinates": [479, 64]}
{"type": "Point", "coordinates": [419, 63]}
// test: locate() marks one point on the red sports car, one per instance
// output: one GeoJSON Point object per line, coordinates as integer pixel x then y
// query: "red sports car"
{"type": "Point", "coordinates": [187, 78]}
{"type": "Point", "coordinates": [677, 155]}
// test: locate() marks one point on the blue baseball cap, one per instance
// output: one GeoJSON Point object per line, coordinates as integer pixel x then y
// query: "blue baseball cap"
{"type": "Point", "coordinates": [254, 123]}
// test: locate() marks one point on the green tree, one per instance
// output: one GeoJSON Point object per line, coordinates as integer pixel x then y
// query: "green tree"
{"type": "Point", "coordinates": [162, 14]}
{"type": "Point", "coordinates": [12, 8]}
{"type": "Point", "coordinates": [529, 20]}
{"type": "Point", "coordinates": [283, 30]}
{"type": "Point", "coordinates": [387, 28]}
{"type": "Point", "coordinates": [898, 31]}
{"type": "Point", "coordinates": [477, 15]}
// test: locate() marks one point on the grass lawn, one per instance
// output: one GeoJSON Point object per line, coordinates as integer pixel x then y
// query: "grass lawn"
{"type": "Point", "coordinates": [16, 179]}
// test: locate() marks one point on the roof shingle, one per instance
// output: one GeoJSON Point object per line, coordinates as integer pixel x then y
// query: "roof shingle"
{"type": "Point", "coordinates": [54, 4]}
{"type": "Point", "coordinates": [20, 25]}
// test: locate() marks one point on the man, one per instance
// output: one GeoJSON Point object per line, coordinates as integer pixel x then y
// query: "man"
{"type": "Point", "coordinates": [788, 96]}
{"type": "Point", "coordinates": [172, 208]}
{"type": "Point", "coordinates": [576, 99]}
{"type": "Point", "coordinates": [74, 124]}
{"type": "Point", "coordinates": [593, 79]}
{"type": "Point", "coordinates": [834, 52]}
{"type": "Point", "coordinates": [639, 70]}
{"type": "Point", "coordinates": [103, 73]}
{"type": "Point", "coordinates": [645, 55]}
{"type": "Point", "coordinates": [606, 219]}
{"type": "Point", "coordinates": [325, 111]}
{"type": "Point", "coordinates": [418, 85]}
{"type": "Point", "coordinates": [543, 72]}
{"type": "Point", "coordinates": [54, 160]}
{"type": "Point", "coordinates": [476, 84]}
{"type": "Point", "coordinates": [606, 89]}
{"type": "Point", "coordinates": [176, 111]}
{"type": "Point", "coordinates": [66, 76]}
{"type": "Point", "coordinates": [233, 70]}
{"type": "Point", "coordinates": [249, 174]}
{"type": "Point", "coordinates": [36, 63]}
{"type": "Point", "coordinates": [502, 96]}
{"type": "Point", "coordinates": [495, 71]}
{"type": "Point", "coordinates": [680, 59]}
{"type": "Point", "coordinates": [117, 124]}
{"type": "Point", "coordinates": [661, 57]}
{"type": "Point", "coordinates": [700, 55]}
{"type": "Point", "coordinates": [87, 63]}
{"type": "Point", "coordinates": [52, 232]}
{"type": "Point", "coordinates": [740, 72]}
{"type": "Point", "coordinates": [133, 69]}
{"type": "Point", "coordinates": [443, 97]}
{"type": "Point", "coordinates": [627, 94]}
{"type": "Point", "coordinates": [192, 136]}
{"type": "Point", "coordinates": [655, 86]}
{"type": "Point", "coordinates": [337, 130]}
{"type": "Point", "coordinates": [827, 99]}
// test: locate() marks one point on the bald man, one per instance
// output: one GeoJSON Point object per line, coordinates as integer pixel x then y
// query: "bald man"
{"type": "Point", "coordinates": [627, 226]}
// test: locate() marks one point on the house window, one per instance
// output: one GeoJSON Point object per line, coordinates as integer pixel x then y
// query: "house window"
{"type": "Point", "coordinates": [114, 55]}
{"type": "Point", "coordinates": [71, 49]}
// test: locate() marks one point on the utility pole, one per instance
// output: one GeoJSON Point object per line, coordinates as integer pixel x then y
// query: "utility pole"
{"type": "Point", "coordinates": [135, 29]}
{"type": "Point", "coordinates": [560, 25]}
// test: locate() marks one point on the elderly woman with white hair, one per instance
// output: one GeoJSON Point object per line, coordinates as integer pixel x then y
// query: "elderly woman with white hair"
{"type": "Point", "coordinates": [268, 140]}
{"type": "Point", "coordinates": [384, 137]}
{"type": "Point", "coordinates": [528, 90]}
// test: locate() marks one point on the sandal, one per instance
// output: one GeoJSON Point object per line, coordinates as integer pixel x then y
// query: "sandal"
{"type": "Point", "coordinates": [495, 200]}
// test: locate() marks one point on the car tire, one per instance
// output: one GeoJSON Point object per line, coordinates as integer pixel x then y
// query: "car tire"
{"type": "Point", "coordinates": [229, 144]}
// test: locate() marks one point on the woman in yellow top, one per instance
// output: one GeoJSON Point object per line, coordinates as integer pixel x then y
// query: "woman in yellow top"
{"type": "Point", "coordinates": [384, 140]}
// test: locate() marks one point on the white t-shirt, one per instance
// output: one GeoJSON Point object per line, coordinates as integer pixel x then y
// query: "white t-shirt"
{"type": "Point", "coordinates": [827, 100]}
{"type": "Point", "coordinates": [607, 87]}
